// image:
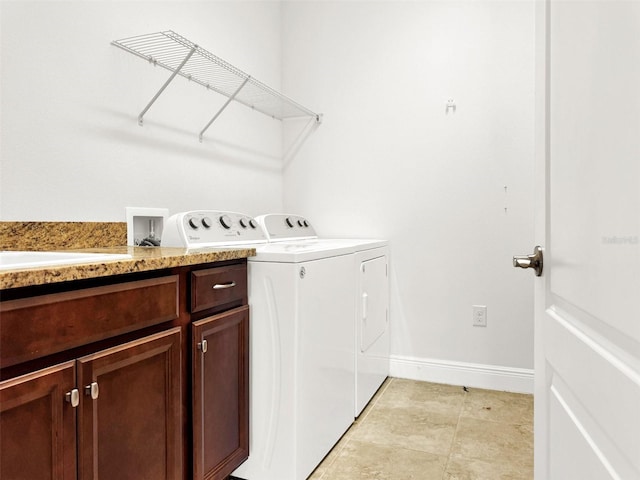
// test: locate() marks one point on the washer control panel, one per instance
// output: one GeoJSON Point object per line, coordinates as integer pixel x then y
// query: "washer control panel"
{"type": "Point", "coordinates": [282, 226]}
{"type": "Point", "coordinates": [209, 228]}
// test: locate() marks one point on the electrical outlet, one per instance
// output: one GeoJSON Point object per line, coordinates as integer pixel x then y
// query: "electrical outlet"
{"type": "Point", "coordinates": [479, 315]}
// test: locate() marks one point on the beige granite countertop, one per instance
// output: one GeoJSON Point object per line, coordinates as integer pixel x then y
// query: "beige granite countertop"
{"type": "Point", "coordinates": [95, 237]}
{"type": "Point", "coordinates": [142, 259]}
{"type": "Point", "coordinates": [61, 235]}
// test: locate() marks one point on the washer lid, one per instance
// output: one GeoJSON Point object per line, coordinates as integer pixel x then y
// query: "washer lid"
{"type": "Point", "coordinates": [296, 252]}
{"type": "Point", "coordinates": [361, 244]}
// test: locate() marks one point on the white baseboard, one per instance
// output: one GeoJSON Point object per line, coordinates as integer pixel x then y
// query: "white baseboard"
{"type": "Point", "coordinates": [492, 377]}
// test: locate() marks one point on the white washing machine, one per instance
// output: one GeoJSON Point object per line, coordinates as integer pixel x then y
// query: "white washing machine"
{"type": "Point", "coordinates": [302, 351]}
{"type": "Point", "coordinates": [301, 348]}
{"type": "Point", "coordinates": [371, 292]}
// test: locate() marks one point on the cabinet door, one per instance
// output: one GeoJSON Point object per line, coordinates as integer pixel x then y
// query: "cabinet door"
{"type": "Point", "coordinates": [130, 416]}
{"type": "Point", "coordinates": [37, 426]}
{"type": "Point", "coordinates": [220, 394]}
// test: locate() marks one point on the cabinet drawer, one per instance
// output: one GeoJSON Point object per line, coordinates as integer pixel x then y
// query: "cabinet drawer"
{"type": "Point", "coordinates": [39, 326]}
{"type": "Point", "coordinates": [218, 288]}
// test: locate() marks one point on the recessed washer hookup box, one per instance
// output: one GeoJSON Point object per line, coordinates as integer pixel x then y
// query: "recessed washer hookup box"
{"type": "Point", "coordinates": [145, 225]}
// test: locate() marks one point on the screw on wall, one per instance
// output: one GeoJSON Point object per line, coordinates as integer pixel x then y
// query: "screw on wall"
{"type": "Point", "coordinates": [451, 104]}
{"type": "Point", "coordinates": [505, 199]}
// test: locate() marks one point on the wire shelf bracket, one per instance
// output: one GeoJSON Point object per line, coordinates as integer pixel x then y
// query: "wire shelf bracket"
{"type": "Point", "coordinates": [169, 80]}
{"type": "Point", "coordinates": [182, 57]}
{"type": "Point", "coordinates": [229, 100]}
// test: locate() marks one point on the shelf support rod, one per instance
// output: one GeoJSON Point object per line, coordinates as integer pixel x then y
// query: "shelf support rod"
{"type": "Point", "coordinates": [229, 100]}
{"type": "Point", "coordinates": [169, 80]}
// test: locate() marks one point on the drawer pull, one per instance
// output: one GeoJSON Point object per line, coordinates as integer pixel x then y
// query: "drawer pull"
{"type": "Point", "coordinates": [92, 390]}
{"type": "Point", "coordinates": [220, 286]}
{"type": "Point", "coordinates": [73, 397]}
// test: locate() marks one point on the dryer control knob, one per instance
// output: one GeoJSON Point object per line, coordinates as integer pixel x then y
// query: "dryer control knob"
{"type": "Point", "coordinates": [252, 223]}
{"type": "Point", "coordinates": [306, 224]}
{"type": "Point", "coordinates": [206, 222]}
{"type": "Point", "coordinates": [225, 221]}
{"type": "Point", "coordinates": [193, 223]}
{"type": "Point", "coordinates": [300, 223]}
{"type": "Point", "coordinates": [289, 222]}
{"type": "Point", "coordinates": [243, 223]}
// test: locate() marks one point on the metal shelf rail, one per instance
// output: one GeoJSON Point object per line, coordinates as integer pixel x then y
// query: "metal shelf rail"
{"type": "Point", "coordinates": [183, 57]}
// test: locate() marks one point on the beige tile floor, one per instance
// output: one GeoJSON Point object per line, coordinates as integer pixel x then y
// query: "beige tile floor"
{"type": "Point", "coordinates": [427, 431]}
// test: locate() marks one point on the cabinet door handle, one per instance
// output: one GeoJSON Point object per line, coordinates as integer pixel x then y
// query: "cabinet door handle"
{"type": "Point", "coordinates": [220, 286]}
{"type": "Point", "coordinates": [202, 346]}
{"type": "Point", "coordinates": [73, 397]}
{"type": "Point", "coordinates": [92, 390]}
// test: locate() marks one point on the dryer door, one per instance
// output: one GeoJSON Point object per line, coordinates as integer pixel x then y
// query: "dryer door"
{"type": "Point", "coordinates": [374, 298]}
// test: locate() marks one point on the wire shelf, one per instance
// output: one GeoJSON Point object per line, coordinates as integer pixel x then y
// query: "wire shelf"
{"type": "Point", "coordinates": [185, 58]}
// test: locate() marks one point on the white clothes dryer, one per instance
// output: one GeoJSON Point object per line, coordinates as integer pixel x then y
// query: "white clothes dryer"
{"type": "Point", "coordinates": [372, 321]}
{"type": "Point", "coordinates": [370, 290]}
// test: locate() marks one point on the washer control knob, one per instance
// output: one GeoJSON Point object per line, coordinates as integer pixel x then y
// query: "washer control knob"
{"type": "Point", "coordinates": [289, 221]}
{"type": "Point", "coordinates": [252, 223]}
{"type": "Point", "coordinates": [193, 223]}
{"type": "Point", "coordinates": [225, 221]}
{"type": "Point", "coordinates": [300, 223]}
{"type": "Point", "coordinates": [243, 223]}
{"type": "Point", "coordinates": [306, 224]}
{"type": "Point", "coordinates": [206, 222]}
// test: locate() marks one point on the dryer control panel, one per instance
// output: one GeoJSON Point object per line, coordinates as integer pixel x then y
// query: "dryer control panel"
{"type": "Point", "coordinates": [283, 226]}
{"type": "Point", "coordinates": [211, 228]}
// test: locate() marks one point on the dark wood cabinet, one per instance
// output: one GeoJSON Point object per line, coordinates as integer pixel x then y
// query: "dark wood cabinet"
{"type": "Point", "coordinates": [35, 326]}
{"type": "Point", "coordinates": [220, 393]}
{"type": "Point", "coordinates": [124, 419]}
{"type": "Point", "coordinates": [37, 425]}
{"type": "Point", "coordinates": [108, 379]}
{"type": "Point", "coordinates": [129, 423]}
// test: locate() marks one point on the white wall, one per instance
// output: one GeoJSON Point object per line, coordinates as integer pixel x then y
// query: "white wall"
{"type": "Point", "coordinates": [71, 148]}
{"type": "Point", "coordinates": [389, 161]}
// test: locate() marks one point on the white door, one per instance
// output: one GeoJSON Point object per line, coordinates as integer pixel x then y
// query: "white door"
{"type": "Point", "coordinates": [587, 395]}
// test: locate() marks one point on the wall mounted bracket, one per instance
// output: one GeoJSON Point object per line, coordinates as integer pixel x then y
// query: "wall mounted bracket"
{"type": "Point", "coordinates": [234, 95]}
{"type": "Point", "coordinates": [169, 80]}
